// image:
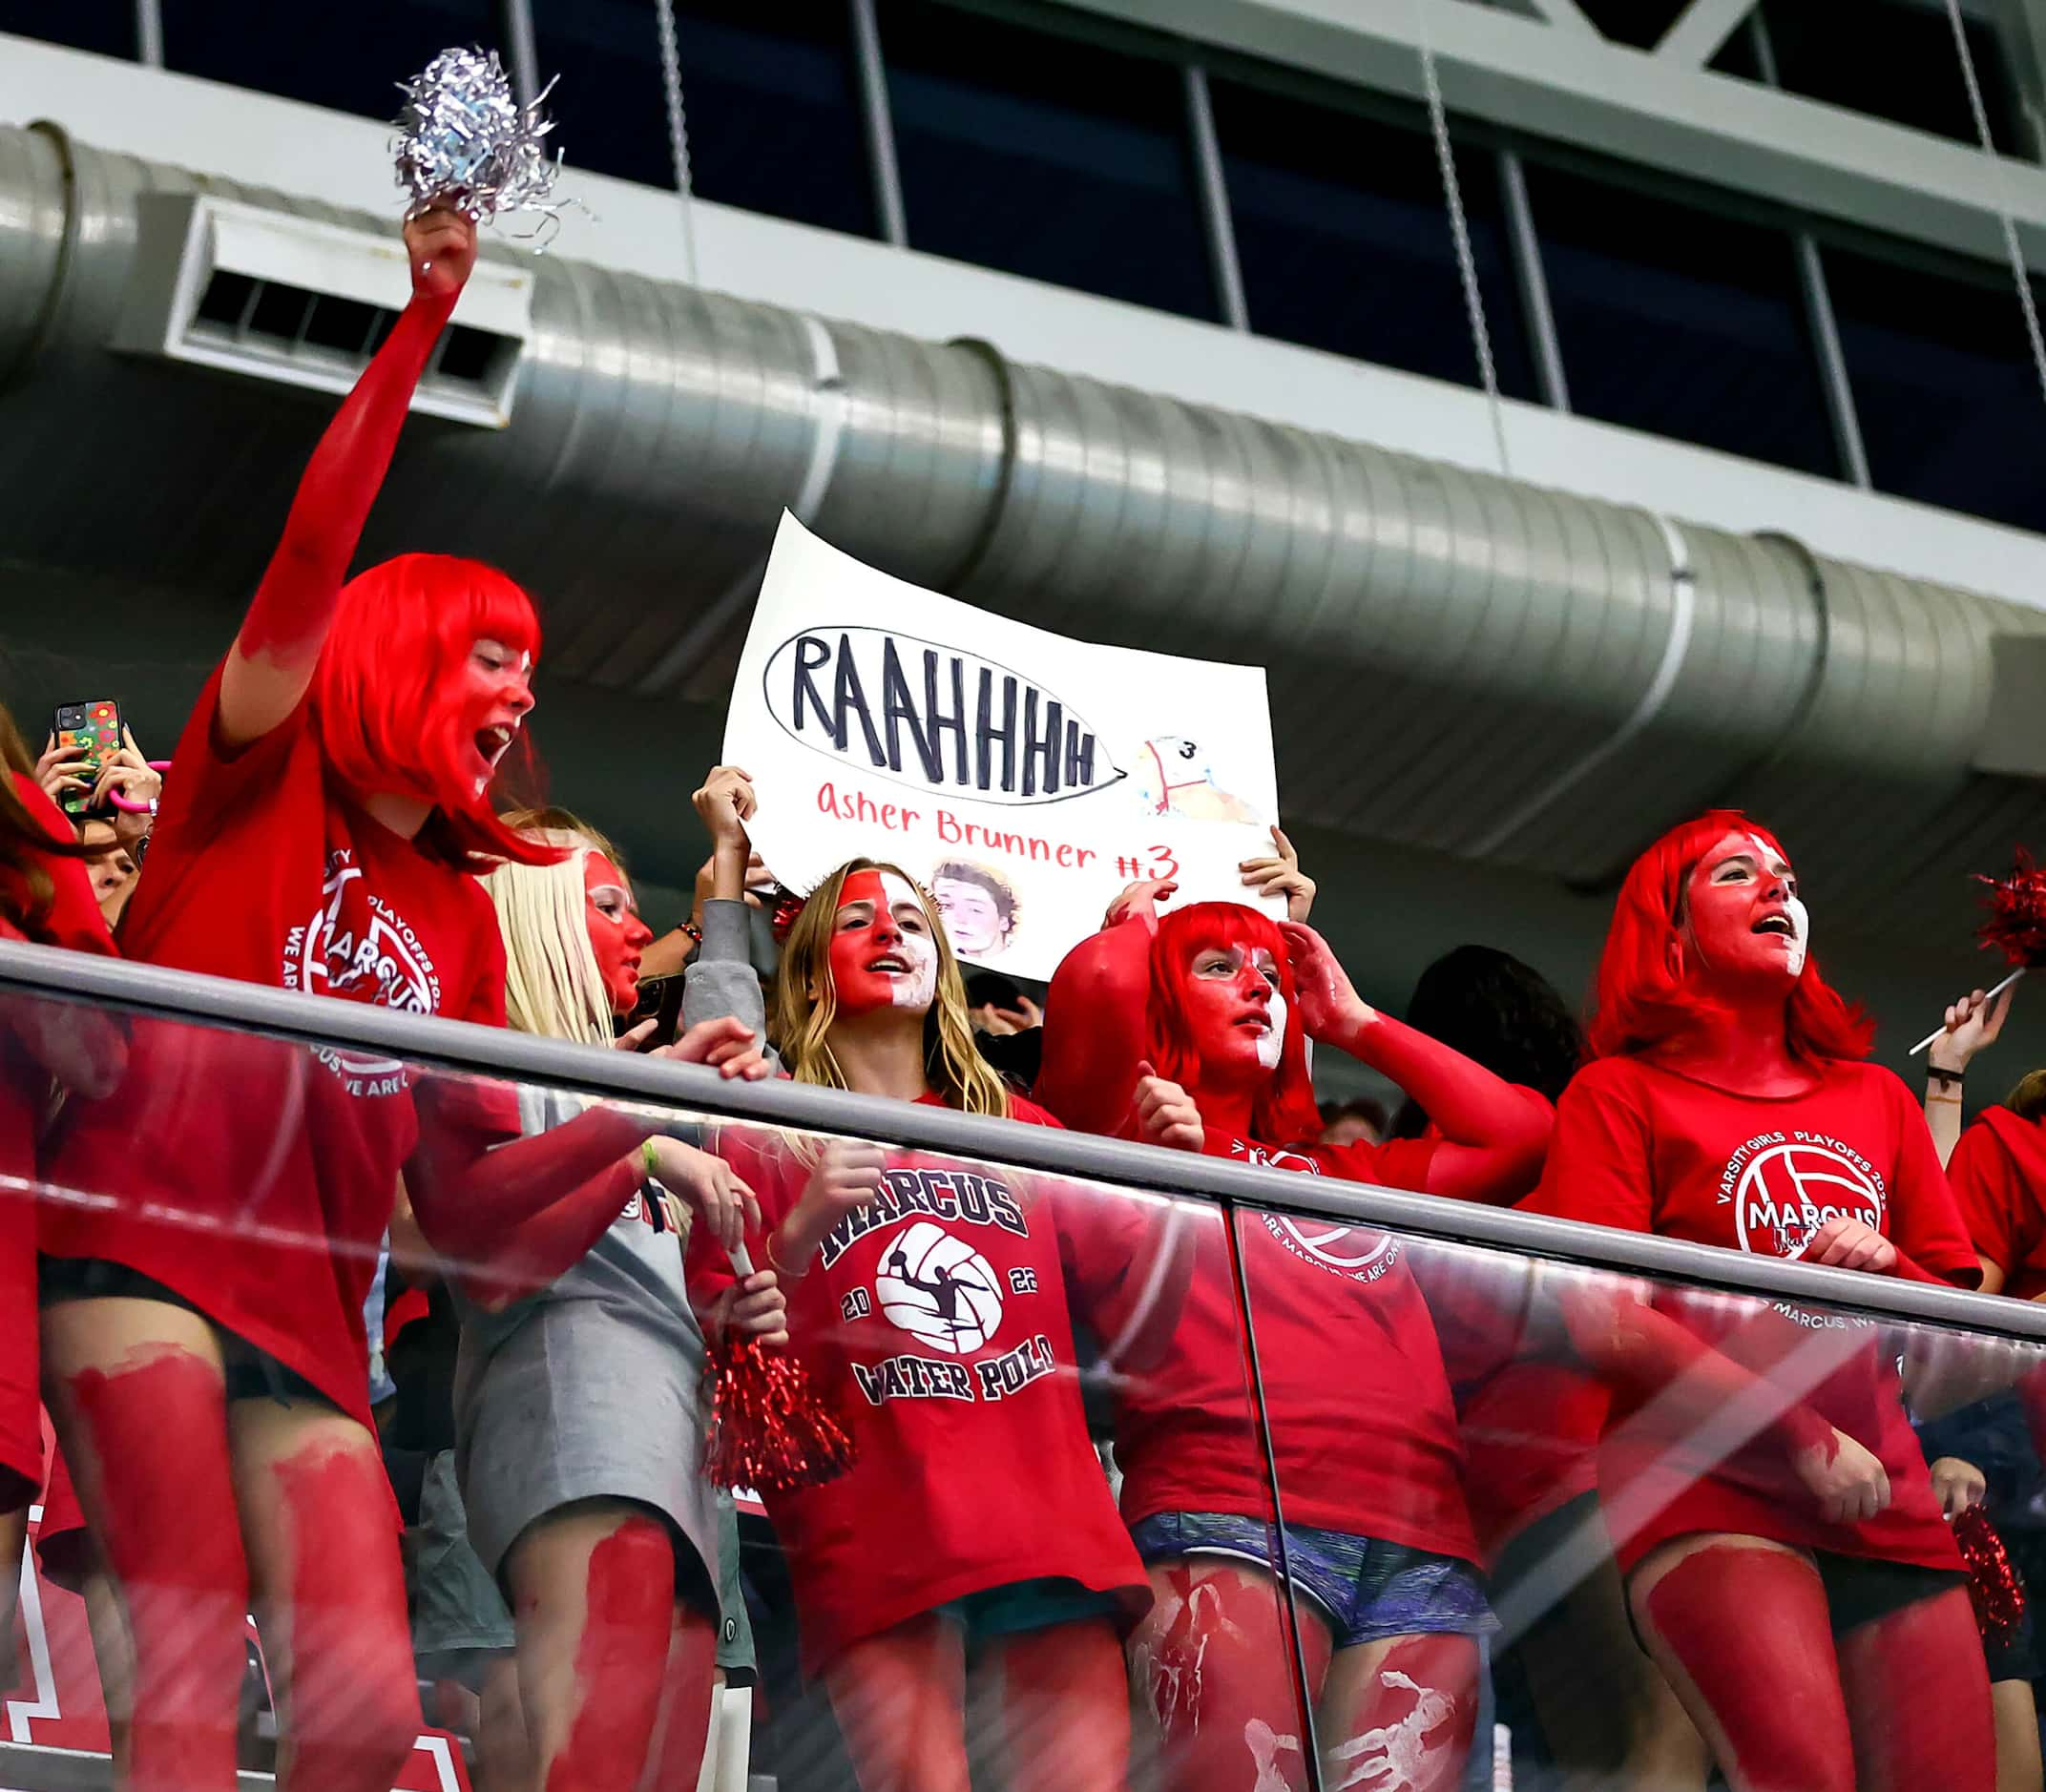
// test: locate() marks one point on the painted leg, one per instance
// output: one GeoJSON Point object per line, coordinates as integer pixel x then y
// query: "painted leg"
{"type": "Point", "coordinates": [1397, 1714]}
{"type": "Point", "coordinates": [135, 1389]}
{"type": "Point", "coordinates": [1606, 1712]}
{"type": "Point", "coordinates": [593, 1592]}
{"type": "Point", "coordinates": [13, 1547]}
{"type": "Point", "coordinates": [900, 1699]}
{"type": "Point", "coordinates": [1065, 1707]}
{"type": "Point", "coordinates": [1212, 1667]}
{"type": "Point", "coordinates": [2018, 1737]}
{"type": "Point", "coordinates": [1765, 1696]}
{"type": "Point", "coordinates": [114, 1655]}
{"type": "Point", "coordinates": [689, 1688]}
{"type": "Point", "coordinates": [1918, 1699]}
{"type": "Point", "coordinates": [504, 1752]}
{"type": "Point", "coordinates": [323, 1541]}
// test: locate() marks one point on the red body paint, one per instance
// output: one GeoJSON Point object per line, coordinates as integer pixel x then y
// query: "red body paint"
{"type": "Point", "coordinates": [619, 1661]}
{"type": "Point", "coordinates": [1770, 1683]}
{"type": "Point", "coordinates": [1918, 1699]}
{"type": "Point", "coordinates": [350, 1701]}
{"type": "Point", "coordinates": [1409, 1729]}
{"type": "Point", "coordinates": [160, 1496]}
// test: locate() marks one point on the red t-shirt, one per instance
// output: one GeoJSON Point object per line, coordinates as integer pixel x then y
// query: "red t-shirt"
{"type": "Point", "coordinates": [1652, 1150]}
{"type": "Point", "coordinates": [1529, 1416]}
{"type": "Point", "coordinates": [71, 918]}
{"type": "Point", "coordinates": [935, 1320]}
{"type": "Point", "coordinates": [1998, 1173]}
{"type": "Point", "coordinates": [269, 1169]}
{"type": "Point", "coordinates": [1363, 1432]}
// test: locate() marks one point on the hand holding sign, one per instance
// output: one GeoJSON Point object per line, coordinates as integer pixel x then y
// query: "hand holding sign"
{"type": "Point", "coordinates": [1025, 776]}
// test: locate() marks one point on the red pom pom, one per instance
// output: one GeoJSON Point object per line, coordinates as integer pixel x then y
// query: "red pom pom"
{"type": "Point", "coordinates": [1993, 1587]}
{"type": "Point", "coordinates": [786, 911]}
{"type": "Point", "coordinates": [769, 1428]}
{"type": "Point", "coordinates": [2017, 904]}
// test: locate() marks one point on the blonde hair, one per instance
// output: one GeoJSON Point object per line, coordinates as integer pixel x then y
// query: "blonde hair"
{"type": "Point", "coordinates": [552, 984]}
{"type": "Point", "coordinates": [958, 1074]}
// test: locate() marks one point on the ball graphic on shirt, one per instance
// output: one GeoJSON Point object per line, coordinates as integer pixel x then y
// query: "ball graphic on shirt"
{"type": "Point", "coordinates": [1786, 1194]}
{"type": "Point", "coordinates": [938, 1288]}
{"type": "Point", "coordinates": [1348, 1250]}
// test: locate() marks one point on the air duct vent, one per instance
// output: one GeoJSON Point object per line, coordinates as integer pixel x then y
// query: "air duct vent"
{"type": "Point", "coordinates": [274, 296]}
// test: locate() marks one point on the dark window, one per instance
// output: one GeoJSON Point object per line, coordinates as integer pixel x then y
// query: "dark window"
{"type": "Point", "coordinates": [1640, 23]}
{"type": "Point", "coordinates": [1045, 155]}
{"type": "Point", "coordinates": [104, 26]}
{"type": "Point", "coordinates": [769, 96]}
{"type": "Point", "coordinates": [349, 59]}
{"type": "Point", "coordinates": [1890, 59]}
{"type": "Point", "coordinates": [1344, 235]}
{"type": "Point", "coordinates": [1676, 319]}
{"type": "Point", "coordinates": [1950, 405]}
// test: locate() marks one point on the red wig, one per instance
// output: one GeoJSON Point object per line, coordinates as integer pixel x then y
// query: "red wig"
{"type": "Point", "coordinates": [1648, 991]}
{"type": "Point", "coordinates": [1284, 1112]}
{"type": "Point", "coordinates": [385, 697]}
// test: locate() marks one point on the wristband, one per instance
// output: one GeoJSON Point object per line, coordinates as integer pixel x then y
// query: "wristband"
{"type": "Point", "coordinates": [650, 1158]}
{"type": "Point", "coordinates": [1949, 1079]}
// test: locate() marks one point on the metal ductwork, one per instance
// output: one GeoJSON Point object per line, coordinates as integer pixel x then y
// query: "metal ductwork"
{"type": "Point", "coordinates": [1459, 661]}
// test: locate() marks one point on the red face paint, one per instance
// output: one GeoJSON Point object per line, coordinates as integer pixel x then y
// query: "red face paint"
{"type": "Point", "coordinates": [619, 1661]}
{"type": "Point", "coordinates": [352, 1701]}
{"type": "Point", "coordinates": [882, 951]}
{"type": "Point", "coordinates": [155, 1432]}
{"type": "Point", "coordinates": [618, 936]}
{"type": "Point", "coordinates": [1233, 1023]}
{"type": "Point", "coordinates": [1744, 915]}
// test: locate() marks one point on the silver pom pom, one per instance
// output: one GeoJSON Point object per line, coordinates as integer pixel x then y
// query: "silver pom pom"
{"type": "Point", "coordinates": [463, 139]}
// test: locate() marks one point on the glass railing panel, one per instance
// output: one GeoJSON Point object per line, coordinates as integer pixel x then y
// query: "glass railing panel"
{"type": "Point", "coordinates": [382, 1396]}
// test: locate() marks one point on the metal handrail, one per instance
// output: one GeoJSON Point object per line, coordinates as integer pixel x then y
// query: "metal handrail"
{"type": "Point", "coordinates": [462, 1045]}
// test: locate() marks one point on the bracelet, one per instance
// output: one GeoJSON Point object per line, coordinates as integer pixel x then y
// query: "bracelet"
{"type": "Point", "coordinates": [774, 1263]}
{"type": "Point", "coordinates": [1949, 1079]}
{"type": "Point", "coordinates": [691, 928]}
{"type": "Point", "coordinates": [650, 1158]}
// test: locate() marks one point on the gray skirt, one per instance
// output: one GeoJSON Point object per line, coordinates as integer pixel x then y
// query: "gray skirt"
{"type": "Point", "coordinates": [576, 1405]}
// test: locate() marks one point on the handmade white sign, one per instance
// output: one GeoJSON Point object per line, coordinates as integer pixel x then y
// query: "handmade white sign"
{"type": "Point", "coordinates": [1024, 777]}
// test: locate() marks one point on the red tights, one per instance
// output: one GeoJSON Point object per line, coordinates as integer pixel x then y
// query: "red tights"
{"type": "Point", "coordinates": [1213, 1661]}
{"type": "Point", "coordinates": [901, 1698]}
{"type": "Point", "coordinates": [1743, 1631]}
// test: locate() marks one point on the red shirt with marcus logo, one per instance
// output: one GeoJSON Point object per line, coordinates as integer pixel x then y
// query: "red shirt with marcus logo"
{"type": "Point", "coordinates": [252, 1176]}
{"type": "Point", "coordinates": [935, 1320]}
{"type": "Point", "coordinates": [1362, 1430]}
{"type": "Point", "coordinates": [1652, 1150]}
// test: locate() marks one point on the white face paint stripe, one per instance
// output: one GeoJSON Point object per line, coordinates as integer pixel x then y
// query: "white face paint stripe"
{"type": "Point", "coordinates": [1801, 945]}
{"type": "Point", "coordinates": [920, 988]}
{"type": "Point", "coordinates": [1271, 1048]}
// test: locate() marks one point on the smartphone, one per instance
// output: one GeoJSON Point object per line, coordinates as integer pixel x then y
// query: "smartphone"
{"type": "Point", "coordinates": [96, 726]}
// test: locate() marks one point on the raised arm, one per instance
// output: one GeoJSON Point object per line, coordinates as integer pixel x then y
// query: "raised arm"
{"type": "Point", "coordinates": [513, 1213]}
{"type": "Point", "coordinates": [1095, 1019]}
{"type": "Point", "coordinates": [271, 663]}
{"type": "Point", "coordinates": [1494, 1132]}
{"type": "Point", "coordinates": [1972, 1023]}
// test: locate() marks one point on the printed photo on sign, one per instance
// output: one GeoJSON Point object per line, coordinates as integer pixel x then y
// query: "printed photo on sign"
{"type": "Point", "coordinates": [1024, 777]}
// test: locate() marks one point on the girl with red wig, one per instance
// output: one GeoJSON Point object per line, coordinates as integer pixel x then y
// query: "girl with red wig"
{"type": "Point", "coordinates": [1190, 1031]}
{"type": "Point", "coordinates": [202, 1295]}
{"type": "Point", "coordinates": [1801, 1590]}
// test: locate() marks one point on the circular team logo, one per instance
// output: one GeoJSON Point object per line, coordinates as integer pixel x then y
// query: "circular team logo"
{"type": "Point", "coordinates": [358, 946]}
{"type": "Point", "coordinates": [1344, 1250]}
{"type": "Point", "coordinates": [1787, 1193]}
{"type": "Point", "coordinates": [938, 1288]}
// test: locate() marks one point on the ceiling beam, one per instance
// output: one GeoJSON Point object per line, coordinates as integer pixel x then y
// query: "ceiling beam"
{"type": "Point", "coordinates": [1696, 33]}
{"type": "Point", "coordinates": [1637, 106]}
